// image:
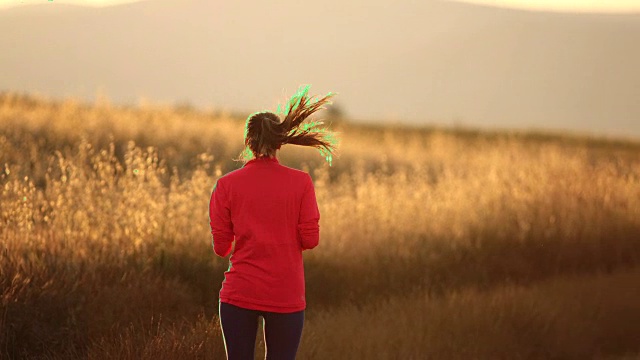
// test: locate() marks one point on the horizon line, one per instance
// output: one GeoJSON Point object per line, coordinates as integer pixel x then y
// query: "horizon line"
{"type": "Point", "coordinates": [545, 6]}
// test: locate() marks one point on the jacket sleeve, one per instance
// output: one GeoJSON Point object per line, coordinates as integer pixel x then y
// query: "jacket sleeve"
{"type": "Point", "coordinates": [220, 220]}
{"type": "Point", "coordinates": [308, 223]}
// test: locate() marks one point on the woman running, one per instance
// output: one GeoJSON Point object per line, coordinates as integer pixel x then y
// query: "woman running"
{"type": "Point", "coordinates": [271, 213]}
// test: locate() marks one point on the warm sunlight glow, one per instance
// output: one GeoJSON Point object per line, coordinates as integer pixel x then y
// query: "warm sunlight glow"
{"type": "Point", "coordinates": [594, 6]}
{"type": "Point", "coordinates": [93, 3]}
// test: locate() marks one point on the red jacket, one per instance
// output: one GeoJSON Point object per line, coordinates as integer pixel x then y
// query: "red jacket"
{"type": "Point", "coordinates": [271, 212]}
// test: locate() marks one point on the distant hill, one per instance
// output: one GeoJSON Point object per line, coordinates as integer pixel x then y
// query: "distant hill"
{"type": "Point", "coordinates": [423, 62]}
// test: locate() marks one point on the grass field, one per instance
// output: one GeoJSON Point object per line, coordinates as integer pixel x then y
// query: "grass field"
{"type": "Point", "coordinates": [435, 243]}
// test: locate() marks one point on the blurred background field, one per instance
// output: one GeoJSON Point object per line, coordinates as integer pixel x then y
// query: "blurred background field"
{"type": "Point", "coordinates": [443, 243]}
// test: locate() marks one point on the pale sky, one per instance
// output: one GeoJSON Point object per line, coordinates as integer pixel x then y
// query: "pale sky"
{"type": "Point", "coordinates": [98, 3]}
{"type": "Point", "coordinates": [598, 6]}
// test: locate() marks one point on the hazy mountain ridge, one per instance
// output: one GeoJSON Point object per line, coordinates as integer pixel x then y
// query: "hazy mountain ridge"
{"type": "Point", "coordinates": [443, 62]}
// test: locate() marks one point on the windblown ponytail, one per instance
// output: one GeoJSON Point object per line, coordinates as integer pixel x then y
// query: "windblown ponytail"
{"type": "Point", "coordinates": [264, 132]}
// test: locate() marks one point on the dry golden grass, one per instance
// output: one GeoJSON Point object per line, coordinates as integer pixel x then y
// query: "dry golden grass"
{"type": "Point", "coordinates": [569, 317]}
{"type": "Point", "coordinates": [105, 246]}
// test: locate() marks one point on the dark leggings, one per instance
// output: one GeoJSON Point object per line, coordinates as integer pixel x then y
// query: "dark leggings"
{"type": "Point", "coordinates": [282, 332]}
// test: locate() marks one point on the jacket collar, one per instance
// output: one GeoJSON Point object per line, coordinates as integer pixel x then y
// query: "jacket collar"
{"type": "Point", "coordinates": [262, 160]}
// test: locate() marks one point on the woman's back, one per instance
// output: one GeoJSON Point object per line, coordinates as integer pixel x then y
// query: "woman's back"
{"type": "Point", "coordinates": [272, 213]}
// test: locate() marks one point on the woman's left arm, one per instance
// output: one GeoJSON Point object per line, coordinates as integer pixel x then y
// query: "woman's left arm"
{"type": "Point", "coordinates": [220, 220]}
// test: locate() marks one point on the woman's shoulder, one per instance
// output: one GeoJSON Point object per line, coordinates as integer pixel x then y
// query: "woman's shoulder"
{"type": "Point", "coordinates": [244, 174]}
{"type": "Point", "coordinates": [296, 172]}
{"type": "Point", "coordinates": [226, 178]}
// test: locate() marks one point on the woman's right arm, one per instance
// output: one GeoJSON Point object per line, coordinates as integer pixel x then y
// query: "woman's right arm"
{"type": "Point", "coordinates": [308, 224]}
